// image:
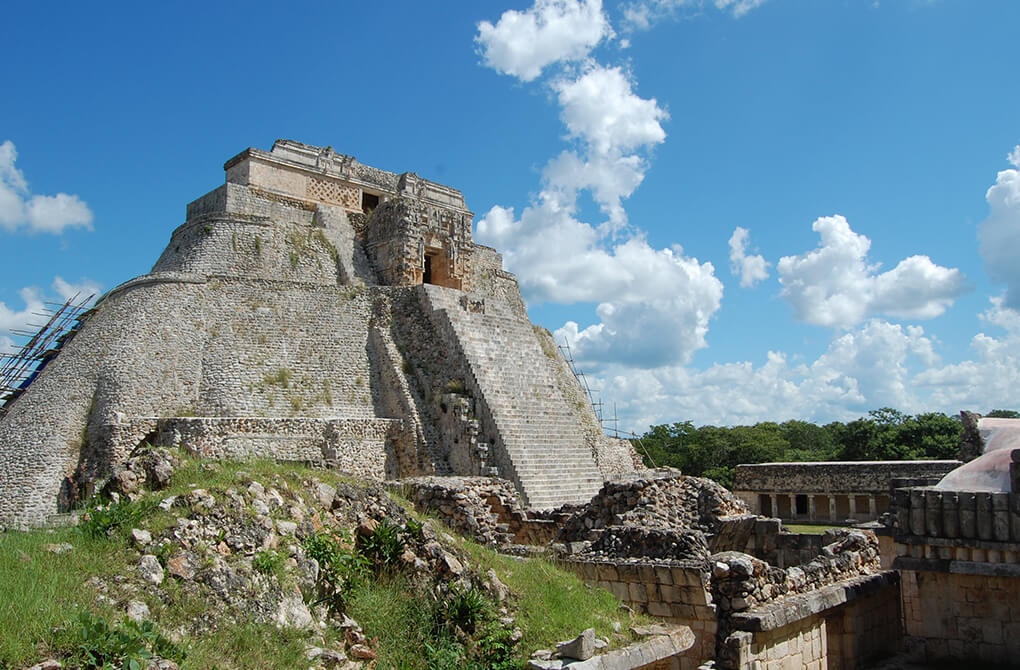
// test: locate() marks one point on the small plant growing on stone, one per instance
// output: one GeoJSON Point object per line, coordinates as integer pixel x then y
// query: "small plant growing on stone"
{"type": "Point", "coordinates": [341, 566]}
{"type": "Point", "coordinates": [266, 562]}
{"type": "Point", "coordinates": [385, 545]}
{"type": "Point", "coordinates": [415, 529]}
{"type": "Point", "coordinates": [463, 608]}
{"type": "Point", "coordinates": [282, 377]}
{"type": "Point", "coordinates": [103, 520]}
{"type": "Point", "coordinates": [455, 386]}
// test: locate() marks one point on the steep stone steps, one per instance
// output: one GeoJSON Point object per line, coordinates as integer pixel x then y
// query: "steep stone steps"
{"type": "Point", "coordinates": [549, 460]}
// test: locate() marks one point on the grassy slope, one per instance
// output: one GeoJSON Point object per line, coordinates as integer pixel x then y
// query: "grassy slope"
{"type": "Point", "coordinates": [41, 592]}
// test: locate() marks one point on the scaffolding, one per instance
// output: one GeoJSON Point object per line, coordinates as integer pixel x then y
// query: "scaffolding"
{"type": "Point", "coordinates": [19, 368]}
{"type": "Point", "coordinates": [596, 405]}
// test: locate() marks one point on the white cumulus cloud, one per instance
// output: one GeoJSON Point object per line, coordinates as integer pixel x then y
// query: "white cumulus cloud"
{"type": "Point", "coordinates": [875, 365]}
{"type": "Point", "coordinates": [601, 107]}
{"type": "Point", "coordinates": [834, 285]}
{"type": "Point", "coordinates": [654, 305]}
{"type": "Point", "coordinates": [643, 14]}
{"type": "Point", "coordinates": [614, 126]}
{"type": "Point", "coordinates": [999, 234]}
{"type": "Point", "coordinates": [750, 269]}
{"type": "Point", "coordinates": [523, 43]}
{"type": "Point", "coordinates": [37, 213]}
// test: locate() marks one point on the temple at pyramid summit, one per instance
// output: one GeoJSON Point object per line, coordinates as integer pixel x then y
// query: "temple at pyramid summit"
{"type": "Point", "coordinates": [311, 309]}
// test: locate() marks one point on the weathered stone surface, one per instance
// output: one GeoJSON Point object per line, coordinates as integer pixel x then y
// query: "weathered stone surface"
{"type": "Point", "coordinates": [150, 569]}
{"type": "Point", "coordinates": [581, 647]}
{"type": "Point", "coordinates": [293, 613]}
{"type": "Point", "coordinates": [137, 611]}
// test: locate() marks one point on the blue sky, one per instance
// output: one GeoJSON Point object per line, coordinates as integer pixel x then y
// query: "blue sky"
{"type": "Point", "coordinates": [734, 210]}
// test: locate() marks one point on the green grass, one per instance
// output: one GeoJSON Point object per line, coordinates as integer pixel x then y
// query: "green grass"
{"type": "Point", "coordinates": [41, 591]}
{"type": "Point", "coordinates": [389, 609]}
{"type": "Point", "coordinates": [807, 529]}
{"type": "Point", "coordinates": [553, 604]}
{"type": "Point", "coordinates": [249, 646]}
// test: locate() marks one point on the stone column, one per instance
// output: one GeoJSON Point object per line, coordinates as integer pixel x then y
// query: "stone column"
{"type": "Point", "coordinates": [872, 507]}
{"type": "Point", "coordinates": [811, 507]}
{"type": "Point", "coordinates": [853, 505]}
{"type": "Point", "coordinates": [832, 508]}
{"type": "Point", "coordinates": [793, 505]}
{"type": "Point", "coordinates": [774, 501]}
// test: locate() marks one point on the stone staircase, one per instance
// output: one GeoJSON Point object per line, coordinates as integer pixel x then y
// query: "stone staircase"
{"type": "Point", "coordinates": [541, 447]}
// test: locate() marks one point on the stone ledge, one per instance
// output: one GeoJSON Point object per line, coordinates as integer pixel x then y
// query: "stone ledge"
{"type": "Point", "coordinates": [154, 278]}
{"type": "Point", "coordinates": [969, 542]}
{"type": "Point", "coordinates": [658, 648]}
{"type": "Point", "coordinates": [794, 608]}
{"type": "Point", "coordinates": [956, 567]}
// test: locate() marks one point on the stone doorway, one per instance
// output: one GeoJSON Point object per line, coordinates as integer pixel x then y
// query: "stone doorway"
{"type": "Point", "coordinates": [436, 269]}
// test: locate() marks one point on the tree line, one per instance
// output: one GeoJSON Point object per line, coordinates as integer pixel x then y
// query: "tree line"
{"type": "Point", "coordinates": [886, 434]}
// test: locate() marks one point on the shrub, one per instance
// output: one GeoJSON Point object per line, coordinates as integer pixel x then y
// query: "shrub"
{"type": "Point", "coordinates": [128, 646]}
{"type": "Point", "coordinates": [340, 566]}
{"type": "Point", "coordinates": [463, 609]}
{"type": "Point", "coordinates": [99, 521]}
{"type": "Point", "coordinates": [266, 562]}
{"type": "Point", "coordinates": [454, 386]}
{"type": "Point", "coordinates": [385, 545]}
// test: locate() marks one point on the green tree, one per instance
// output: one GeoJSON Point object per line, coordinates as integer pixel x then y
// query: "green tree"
{"type": "Point", "coordinates": [808, 442]}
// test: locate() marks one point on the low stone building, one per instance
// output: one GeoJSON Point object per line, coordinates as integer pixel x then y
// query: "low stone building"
{"type": "Point", "coordinates": [315, 309]}
{"type": "Point", "coordinates": [834, 492]}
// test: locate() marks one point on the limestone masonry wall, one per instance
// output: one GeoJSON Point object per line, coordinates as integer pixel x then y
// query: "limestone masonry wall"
{"type": "Point", "coordinates": [959, 556]}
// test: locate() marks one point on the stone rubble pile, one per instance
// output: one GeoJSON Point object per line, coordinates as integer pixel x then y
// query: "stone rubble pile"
{"type": "Point", "coordinates": [661, 498]}
{"type": "Point", "coordinates": [210, 553]}
{"type": "Point", "coordinates": [649, 544]}
{"type": "Point", "coordinates": [742, 582]}
{"type": "Point", "coordinates": [465, 504]}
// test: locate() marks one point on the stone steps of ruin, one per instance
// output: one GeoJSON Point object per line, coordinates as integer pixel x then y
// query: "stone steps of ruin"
{"type": "Point", "coordinates": [539, 431]}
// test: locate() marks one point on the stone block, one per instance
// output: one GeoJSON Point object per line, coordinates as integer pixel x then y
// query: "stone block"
{"type": "Point", "coordinates": [659, 609]}
{"type": "Point", "coordinates": [608, 572]}
{"type": "Point", "coordinates": [933, 513]}
{"type": "Point", "coordinates": [637, 593]}
{"type": "Point", "coordinates": [663, 575]}
{"type": "Point", "coordinates": [984, 515]}
{"type": "Point", "coordinates": [968, 514]}
{"type": "Point", "coordinates": [620, 590]}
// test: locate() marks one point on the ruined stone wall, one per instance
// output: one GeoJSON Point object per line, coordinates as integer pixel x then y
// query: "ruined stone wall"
{"type": "Point", "coordinates": [834, 477]}
{"type": "Point", "coordinates": [361, 447]}
{"type": "Point", "coordinates": [847, 625]}
{"type": "Point", "coordinates": [959, 556]}
{"type": "Point", "coordinates": [963, 617]}
{"type": "Point", "coordinates": [673, 590]}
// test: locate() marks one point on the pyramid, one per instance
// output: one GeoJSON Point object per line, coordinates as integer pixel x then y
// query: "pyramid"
{"type": "Point", "coordinates": [319, 310]}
